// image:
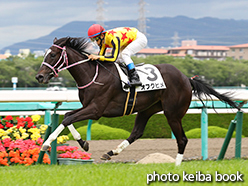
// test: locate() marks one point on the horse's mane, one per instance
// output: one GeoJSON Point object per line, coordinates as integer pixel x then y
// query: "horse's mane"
{"type": "Point", "coordinates": [79, 44]}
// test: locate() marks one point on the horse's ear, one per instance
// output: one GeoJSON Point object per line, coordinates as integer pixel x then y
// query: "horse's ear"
{"type": "Point", "coordinates": [55, 39]}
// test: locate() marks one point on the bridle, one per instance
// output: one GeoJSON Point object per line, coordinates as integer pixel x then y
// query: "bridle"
{"type": "Point", "coordinates": [58, 68]}
{"type": "Point", "coordinates": [64, 63]}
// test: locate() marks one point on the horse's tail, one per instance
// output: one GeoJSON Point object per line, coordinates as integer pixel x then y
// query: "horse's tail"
{"type": "Point", "coordinates": [200, 88]}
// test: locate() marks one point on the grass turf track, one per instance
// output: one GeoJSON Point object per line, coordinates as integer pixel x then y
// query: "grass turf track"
{"type": "Point", "coordinates": [117, 174]}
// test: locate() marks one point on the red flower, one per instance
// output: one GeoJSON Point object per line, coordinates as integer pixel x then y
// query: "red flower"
{"type": "Point", "coordinates": [6, 142]}
{"type": "Point", "coordinates": [64, 149]}
{"type": "Point", "coordinates": [8, 118]}
{"type": "Point", "coordinates": [28, 119]}
{"type": "Point", "coordinates": [20, 120]}
{"type": "Point", "coordinates": [72, 152]}
{"type": "Point", "coordinates": [30, 124]}
{"type": "Point", "coordinates": [2, 147]}
{"type": "Point", "coordinates": [4, 161]}
{"type": "Point", "coordinates": [39, 141]}
{"type": "Point", "coordinates": [1, 126]}
{"type": "Point", "coordinates": [9, 125]}
{"type": "Point", "coordinates": [20, 125]}
{"type": "Point", "coordinates": [15, 159]}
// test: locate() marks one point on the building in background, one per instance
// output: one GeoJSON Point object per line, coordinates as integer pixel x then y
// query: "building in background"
{"type": "Point", "coordinates": [190, 47]}
{"type": "Point", "coordinates": [23, 53]}
{"type": "Point", "coordinates": [151, 52]}
{"type": "Point", "coordinates": [5, 55]}
{"type": "Point", "coordinates": [238, 51]}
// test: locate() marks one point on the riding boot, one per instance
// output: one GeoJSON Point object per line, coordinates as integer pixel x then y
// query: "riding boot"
{"type": "Point", "coordinates": [134, 78]}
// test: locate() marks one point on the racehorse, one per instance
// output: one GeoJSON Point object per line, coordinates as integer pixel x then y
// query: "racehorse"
{"type": "Point", "coordinates": [101, 94]}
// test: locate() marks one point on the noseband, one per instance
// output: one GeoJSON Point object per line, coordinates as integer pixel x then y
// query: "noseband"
{"type": "Point", "coordinates": [57, 68]}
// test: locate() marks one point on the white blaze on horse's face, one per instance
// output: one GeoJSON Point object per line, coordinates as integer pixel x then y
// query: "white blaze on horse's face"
{"type": "Point", "coordinates": [48, 52]}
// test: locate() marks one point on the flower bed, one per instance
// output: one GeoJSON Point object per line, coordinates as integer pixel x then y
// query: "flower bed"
{"type": "Point", "coordinates": [20, 142]}
{"type": "Point", "coordinates": [69, 155]}
{"type": "Point", "coordinates": [20, 152]}
{"type": "Point", "coordinates": [72, 152]}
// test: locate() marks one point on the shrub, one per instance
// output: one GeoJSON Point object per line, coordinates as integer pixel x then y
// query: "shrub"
{"type": "Point", "coordinates": [213, 132]}
{"type": "Point", "coordinates": [158, 127]}
{"type": "Point", "coordinates": [102, 132]}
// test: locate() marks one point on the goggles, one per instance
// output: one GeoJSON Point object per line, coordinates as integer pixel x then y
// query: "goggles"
{"type": "Point", "coordinates": [95, 38]}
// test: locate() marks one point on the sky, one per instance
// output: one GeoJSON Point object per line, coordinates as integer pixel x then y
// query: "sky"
{"type": "Point", "coordinates": [22, 20]}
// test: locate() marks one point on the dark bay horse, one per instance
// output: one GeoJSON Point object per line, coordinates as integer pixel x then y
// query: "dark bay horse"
{"type": "Point", "coordinates": [101, 94]}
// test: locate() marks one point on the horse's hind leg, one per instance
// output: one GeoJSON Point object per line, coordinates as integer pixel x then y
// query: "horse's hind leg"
{"type": "Point", "coordinates": [177, 129]}
{"type": "Point", "coordinates": [137, 132]}
{"type": "Point", "coordinates": [175, 105]}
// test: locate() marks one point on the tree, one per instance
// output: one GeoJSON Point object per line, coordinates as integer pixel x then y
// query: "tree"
{"type": "Point", "coordinates": [218, 73]}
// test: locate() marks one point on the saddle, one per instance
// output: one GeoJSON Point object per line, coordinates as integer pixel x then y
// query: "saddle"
{"type": "Point", "coordinates": [150, 77]}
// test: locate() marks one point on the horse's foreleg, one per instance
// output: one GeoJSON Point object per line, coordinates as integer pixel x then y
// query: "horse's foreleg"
{"type": "Point", "coordinates": [59, 129]}
{"type": "Point", "coordinates": [74, 132]}
{"type": "Point", "coordinates": [77, 137]}
{"type": "Point", "coordinates": [52, 137]}
{"type": "Point", "coordinates": [74, 116]}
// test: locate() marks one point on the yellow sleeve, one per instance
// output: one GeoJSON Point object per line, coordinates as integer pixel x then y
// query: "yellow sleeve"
{"type": "Point", "coordinates": [102, 50]}
{"type": "Point", "coordinates": [115, 51]}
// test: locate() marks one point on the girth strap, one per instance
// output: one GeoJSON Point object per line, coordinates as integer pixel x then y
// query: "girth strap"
{"type": "Point", "coordinates": [130, 101]}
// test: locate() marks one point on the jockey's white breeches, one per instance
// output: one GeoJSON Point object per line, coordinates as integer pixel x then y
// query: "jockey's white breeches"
{"type": "Point", "coordinates": [135, 46]}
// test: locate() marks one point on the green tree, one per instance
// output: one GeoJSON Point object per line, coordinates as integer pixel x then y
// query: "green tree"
{"type": "Point", "coordinates": [218, 73]}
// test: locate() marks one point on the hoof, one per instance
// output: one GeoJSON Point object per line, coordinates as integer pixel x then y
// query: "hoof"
{"type": "Point", "coordinates": [86, 146]}
{"type": "Point", "coordinates": [105, 157]}
{"type": "Point", "coordinates": [44, 147]}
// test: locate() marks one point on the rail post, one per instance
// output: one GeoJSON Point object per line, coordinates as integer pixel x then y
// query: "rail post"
{"type": "Point", "coordinates": [227, 139]}
{"type": "Point", "coordinates": [53, 156]}
{"type": "Point", "coordinates": [51, 127]}
{"type": "Point", "coordinates": [88, 135]}
{"type": "Point", "coordinates": [238, 134]}
{"type": "Point", "coordinates": [237, 122]}
{"type": "Point", "coordinates": [41, 154]}
{"type": "Point", "coordinates": [47, 119]}
{"type": "Point", "coordinates": [172, 135]}
{"type": "Point", "coordinates": [204, 133]}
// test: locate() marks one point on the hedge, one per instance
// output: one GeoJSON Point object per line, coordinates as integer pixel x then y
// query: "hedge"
{"type": "Point", "coordinates": [157, 126]}
{"type": "Point", "coordinates": [102, 132]}
{"type": "Point", "coordinates": [213, 132]}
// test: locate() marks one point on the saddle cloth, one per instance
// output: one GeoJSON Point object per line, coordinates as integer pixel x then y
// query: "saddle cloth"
{"type": "Point", "coordinates": [149, 75]}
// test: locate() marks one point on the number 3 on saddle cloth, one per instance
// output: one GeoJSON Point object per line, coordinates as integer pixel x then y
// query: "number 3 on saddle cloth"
{"type": "Point", "coordinates": [151, 80]}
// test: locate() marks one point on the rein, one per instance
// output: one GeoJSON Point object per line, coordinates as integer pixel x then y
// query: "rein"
{"type": "Point", "coordinates": [65, 62]}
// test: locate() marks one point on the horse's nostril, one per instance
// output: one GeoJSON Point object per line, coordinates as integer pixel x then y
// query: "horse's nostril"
{"type": "Point", "coordinates": [39, 77]}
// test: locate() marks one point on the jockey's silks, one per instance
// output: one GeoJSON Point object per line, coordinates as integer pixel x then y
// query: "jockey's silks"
{"type": "Point", "coordinates": [117, 39]}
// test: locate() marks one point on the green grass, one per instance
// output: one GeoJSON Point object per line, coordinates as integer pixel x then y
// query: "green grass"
{"type": "Point", "coordinates": [117, 174]}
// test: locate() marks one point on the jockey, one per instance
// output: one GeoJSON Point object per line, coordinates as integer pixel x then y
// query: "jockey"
{"type": "Point", "coordinates": [124, 41]}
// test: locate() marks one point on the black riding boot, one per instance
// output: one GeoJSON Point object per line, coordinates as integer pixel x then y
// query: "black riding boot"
{"type": "Point", "coordinates": [134, 78]}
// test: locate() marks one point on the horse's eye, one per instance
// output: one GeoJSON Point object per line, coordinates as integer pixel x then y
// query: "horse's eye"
{"type": "Point", "coordinates": [53, 55]}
